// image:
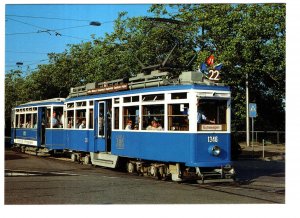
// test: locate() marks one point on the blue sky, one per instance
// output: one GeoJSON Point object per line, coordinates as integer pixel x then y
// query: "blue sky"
{"type": "Point", "coordinates": [27, 39]}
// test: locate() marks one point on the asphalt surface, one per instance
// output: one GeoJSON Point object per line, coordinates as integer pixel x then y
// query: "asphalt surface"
{"type": "Point", "coordinates": [37, 180]}
{"type": "Point", "coordinates": [262, 165]}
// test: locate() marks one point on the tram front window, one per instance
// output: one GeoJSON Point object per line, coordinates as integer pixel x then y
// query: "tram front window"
{"type": "Point", "coordinates": [211, 115]}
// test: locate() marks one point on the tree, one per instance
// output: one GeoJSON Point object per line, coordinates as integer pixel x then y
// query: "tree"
{"type": "Point", "coordinates": [14, 94]}
{"type": "Point", "coordinates": [247, 39]}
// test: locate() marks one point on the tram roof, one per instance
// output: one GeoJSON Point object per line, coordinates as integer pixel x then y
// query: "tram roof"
{"type": "Point", "coordinates": [152, 89]}
{"type": "Point", "coordinates": [52, 101]}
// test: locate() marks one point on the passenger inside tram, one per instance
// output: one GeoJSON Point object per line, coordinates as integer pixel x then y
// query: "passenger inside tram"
{"type": "Point", "coordinates": [128, 125]}
{"type": "Point", "coordinates": [55, 122]}
{"type": "Point", "coordinates": [83, 124]}
{"type": "Point", "coordinates": [201, 114]}
{"type": "Point", "coordinates": [211, 112]}
{"type": "Point", "coordinates": [154, 126]}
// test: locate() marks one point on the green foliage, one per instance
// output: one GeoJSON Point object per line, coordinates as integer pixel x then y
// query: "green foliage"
{"type": "Point", "coordinates": [246, 38]}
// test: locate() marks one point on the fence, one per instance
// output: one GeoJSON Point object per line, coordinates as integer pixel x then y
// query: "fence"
{"type": "Point", "coordinates": [271, 137]}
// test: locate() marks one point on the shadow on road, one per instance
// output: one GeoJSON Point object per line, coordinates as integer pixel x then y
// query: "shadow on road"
{"type": "Point", "coordinates": [14, 157]}
{"type": "Point", "coordinates": [249, 171]}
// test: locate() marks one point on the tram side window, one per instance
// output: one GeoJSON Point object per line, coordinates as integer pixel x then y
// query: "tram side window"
{"type": "Point", "coordinates": [17, 121]}
{"type": "Point", "coordinates": [131, 113]}
{"type": "Point", "coordinates": [34, 120]}
{"type": "Point", "coordinates": [101, 120]}
{"type": "Point", "coordinates": [48, 119]}
{"type": "Point", "coordinates": [178, 117]}
{"type": "Point", "coordinates": [80, 119]}
{"type": "Point", "coordinates": [70, 119]}
{"type": "Point", "coordinates": [29, 121]}
{"type": "Point", "coordinates": [91, 119]}
{"type": "Point", "coordinates": [153, 113]}
{"type": "Point", "coordinates": [57, 117]}
{"type": "Point", "coordinates": [180, 95]}
{"type": "Point", "coordinates": [117, 121]}
{"type": "Point", "coordinates": [154, 97]}
{"type": "Point", "coordinates": [22, 121]}
{"type": "Point", "coordinates": [211, 112]}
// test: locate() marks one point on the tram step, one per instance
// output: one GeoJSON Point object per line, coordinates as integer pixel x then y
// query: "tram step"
{"type": "Point", "coordinates": [104, 159]}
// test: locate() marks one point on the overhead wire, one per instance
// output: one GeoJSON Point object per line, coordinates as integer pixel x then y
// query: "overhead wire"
{"type": "Point", "coordinates": [28, 52]}
{"type": "Point", "coordinates": [24, 33]}
{"type": "Point", "coordinates": [39, 27]}
{"type": "Point", "coordinates": [46, 30]}
{"type": "Point", "coordinates": [27, 23]}
{"type": "Point", "coordinates": [53, 18]}
{"type": "Point", "coordinates": [49, 18]}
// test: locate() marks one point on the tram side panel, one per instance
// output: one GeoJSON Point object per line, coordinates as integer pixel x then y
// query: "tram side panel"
{"type": "Point", "coordinates": [25, 136]}
{"type": "Point", "coordinates": [83, 141]}
{"type": "Point", "coordinates": [77, 140]}
{"type": "Point", "coordinates": [55, 139]}
{"type": "Point", "coordinates": [28, 136]}
{"type": "Point", "coordinates": [193, 150]}
{"type": "Point", "coordinates": [167, 147]}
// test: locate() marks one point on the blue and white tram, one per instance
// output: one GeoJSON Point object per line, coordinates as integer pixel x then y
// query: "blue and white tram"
{"type": "Point", "coordinates": [180, 131]}
{"type": "Point", "coordinates": [33, 129]}
{"type": "Point", "coordinates": [183, 147]}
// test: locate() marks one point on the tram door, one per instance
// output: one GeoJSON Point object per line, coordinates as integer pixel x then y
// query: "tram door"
{"type": "Point", "coordinates": [41, 126]}
{"type": "Point", "coordinates": [103, 126]}
{"type": "Point", "coordinates": [40, 130]}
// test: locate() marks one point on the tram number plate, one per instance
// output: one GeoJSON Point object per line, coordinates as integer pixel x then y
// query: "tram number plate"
{"type": "Point", "coordinates": [212, 138]}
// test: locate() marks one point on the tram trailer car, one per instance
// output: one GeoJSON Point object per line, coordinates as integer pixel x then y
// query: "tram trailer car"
{"type": "Point", "coordinates": [178, 131]}
{"type": "Point", "coordinates": [33, 130]}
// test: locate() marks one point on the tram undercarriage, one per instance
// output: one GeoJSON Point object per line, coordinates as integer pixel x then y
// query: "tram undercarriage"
{"type": "Point", "coordinates": [32, 150]}
{"type": "Point", "coordinates": [175, 171]}
{"type": "Point", "coordinates": [179, 173]}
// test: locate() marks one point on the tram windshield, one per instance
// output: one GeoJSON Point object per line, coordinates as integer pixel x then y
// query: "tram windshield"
{"type": "Point", "coordinates": [211, 115]}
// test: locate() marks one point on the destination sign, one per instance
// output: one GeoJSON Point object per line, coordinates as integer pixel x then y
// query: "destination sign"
{"type": "Point", "coordinates": [106, 89]}
{"type": "Point", "coordinates": [211, 127]}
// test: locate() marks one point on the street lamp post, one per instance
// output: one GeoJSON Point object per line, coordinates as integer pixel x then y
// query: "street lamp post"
{"type": "Point", "coordinates": [247, 113]}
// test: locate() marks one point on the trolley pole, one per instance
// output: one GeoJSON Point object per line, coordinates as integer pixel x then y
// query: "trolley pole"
{"type": "Point", "coordinates": [252, 136]}
{"type": "Point", "coordinates": [252, 114]}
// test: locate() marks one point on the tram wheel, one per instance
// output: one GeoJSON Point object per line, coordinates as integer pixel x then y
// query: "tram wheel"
{"type": "Point", "coordinates": [130, 167]}
{"type": "Point", "coordinates": [86, 159]}
{"type": "Point", "coordinates": [153, 171]}
{"type": "Point", "coordinates": [73, 157]}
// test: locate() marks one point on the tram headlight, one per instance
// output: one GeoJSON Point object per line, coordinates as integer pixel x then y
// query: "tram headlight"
{"type": "Point", "coordinates": [214, 150]}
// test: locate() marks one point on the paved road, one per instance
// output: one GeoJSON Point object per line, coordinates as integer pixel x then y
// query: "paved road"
{"type": "Point", "coordinates": [36, 180]}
